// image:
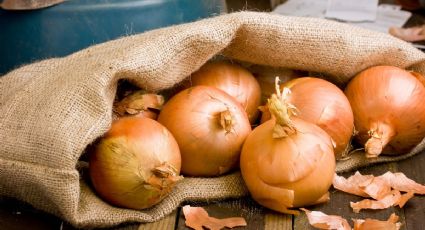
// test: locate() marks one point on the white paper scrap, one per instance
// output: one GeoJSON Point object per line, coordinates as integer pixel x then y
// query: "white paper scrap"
{"type": "Point", "coordinates": [388, 15]}
{"type": "Point", "coordinates": [352, 10]}
{"type": "Point", "coordinates": [302, 8]}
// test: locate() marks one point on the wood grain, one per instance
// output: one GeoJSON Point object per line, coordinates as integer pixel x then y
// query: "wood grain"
{"type": "Point", "coordinates": [274, 221]}
{"type": "Point", "coordinates": [257, 217]}
{"type": "Point", "coordinates": [245, 207]}
{"type": "Point", "coordinates": [340, 203]}
{"type": "Point", "coordinates": [168, 222]}
{"type": "Point", "coordinates": [16, 215]}
{"type": "Point", "coordinates": [414, 211]}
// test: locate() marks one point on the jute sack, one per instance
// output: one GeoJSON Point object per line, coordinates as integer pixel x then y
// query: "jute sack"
{"type": "Point", "coordinates": [50, 111]}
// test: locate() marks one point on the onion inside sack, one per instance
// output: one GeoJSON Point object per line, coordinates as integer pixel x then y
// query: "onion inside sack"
{"type": "Point", "coordinates": [287, 162]}
{"type": "Point", "coordinates": [210, 127]}
{"type": "Point", "coordinates": [266, 76]}
{"type": "Point", "coordinates": [389, 113]}
{"type": "Point", "coordinates": [135, 164]}
{"type": "Point", "coordinates": [140, 104]}
{"type": "Point", "coordinates": [234, 80]}
{"type": "Point", "coordinates": [322, 103]}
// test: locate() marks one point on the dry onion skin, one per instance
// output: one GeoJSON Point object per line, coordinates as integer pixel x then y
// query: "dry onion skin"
{"type": "Point", "coordinates": [389, 113]}
{"type": "Point", "coordinates": [394, 198]}
{"type": "Point", "coordinates": [139, 103]}
{"type": "Point", "coordinates": [370, 224]}
{"type": "Point", "coordinates": [287, 162]}
{"type": "Point", "coordinates": [197, 218]}
{"type": "Point", "coordinates": [234, 80]}
{"type": "Point", "coordinates": [210, 127]}
{"type": "Point", "coordinates": [321, 220]}
{"type": "Point", "coordinates": [322, 103]}
{"type": "Point", "coordinates": [136, 163]}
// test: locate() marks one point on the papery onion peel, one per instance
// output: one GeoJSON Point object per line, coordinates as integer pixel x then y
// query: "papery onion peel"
{"type": "Point", "coordinates": [321, 220]}
{"type": "Point", "coordinates": [197, 218]}
{"type": "Point", "coordinates": [139, 103]}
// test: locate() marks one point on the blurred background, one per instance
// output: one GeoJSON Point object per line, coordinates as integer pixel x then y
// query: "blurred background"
{"type": "Point", "coordinates": [35, 30]}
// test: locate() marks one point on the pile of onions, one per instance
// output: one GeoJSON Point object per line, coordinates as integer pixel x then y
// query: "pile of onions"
{"type": "Point", "coordinates": [135, 164]}
{"type": "Point", "coordinates": [234, 80]}
{"type": "Point", "coordinates": [389, 112]}
{"type": "Point", "coordinates": [287, 162]}
{"type": "Point", "coordinates": [322, 103]}
{"type": "Point", "coordinates": [210, 128]}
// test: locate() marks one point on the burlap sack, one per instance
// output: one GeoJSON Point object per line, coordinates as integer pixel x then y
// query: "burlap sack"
{"type": "Point", "coordinates": [53, 109]}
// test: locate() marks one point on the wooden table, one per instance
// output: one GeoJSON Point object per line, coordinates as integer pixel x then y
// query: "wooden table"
{"type": "Point", "coordinates": [15, 215]}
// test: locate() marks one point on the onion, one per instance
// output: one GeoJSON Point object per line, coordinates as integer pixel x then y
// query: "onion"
{"type": "Point", "coordinates": [389, 113]}
{"type": "Point", "coordinates": [287, 162]}
{"type": "Point", "coordinates": [234, 80]}
{"type": "Point", "coordinates": [139, 103]}
{"type": "Point", "coordinates": [266, 76]}
{"type": "Point", "coordinates": [210, 128]}
{"type": "Point", "coordinates": [136, 164]}
{"type": "Point", "coordinates": [320, 102]}
{"type": "Point", "coordinates": [419, 76]}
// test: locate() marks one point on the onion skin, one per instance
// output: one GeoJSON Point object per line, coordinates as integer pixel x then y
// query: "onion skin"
{"type": "Point", "coordinates": [389, 113]}
{"type": "Point", "coordinates": [140, 104]}
{"type": "Point", "coordinates": [292, 171]}
{"type": "Point", "coordinates": [210, 128]}
{"type": "Point", "coordinates": [322, 103]}
{"type": "Point", "coordinates": [234, 80]}
{"type": "Point", "coordinates": [136, 164]}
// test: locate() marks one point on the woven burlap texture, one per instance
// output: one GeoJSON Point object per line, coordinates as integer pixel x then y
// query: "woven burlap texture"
{"type": "Point", "coordinates": [50, 111]}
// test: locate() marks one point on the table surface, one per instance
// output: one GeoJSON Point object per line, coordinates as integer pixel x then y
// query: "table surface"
{"type": "Point", "coordinates": [15, 215]}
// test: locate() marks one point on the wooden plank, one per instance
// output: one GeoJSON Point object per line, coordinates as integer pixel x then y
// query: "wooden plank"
{"type": "Point", "coordinates": [414, 211]}
{"type": "Point", "coordinates": [126, 226]}
{"type": "Point", "coordinates": [168, 222]}
{"type": "Point", "coordinates": [275, 221]}
{"type": "Point", "coordinates": [16, 215]}
{"type": "Point", "coordinates": [256, 216]}
{"type": "Point", "coordinates": [339, 203]}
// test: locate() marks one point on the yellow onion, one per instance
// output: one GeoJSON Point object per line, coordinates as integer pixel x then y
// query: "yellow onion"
{"type": "Point", "coordinates": [322, 103]}
{"type": "Point", "coordinates": [287, 162]}
{"type": "Point", "coordinates": [234, 80]}
{"type": "Point", "coordinates": [389, 112]}
{"type": "Point", "coordinates": [210, 127]}
{"type": "Point", "coordinates": [139, 103]}
{"type": "Point", "coordinates": [135, 164]}
{"type": "Point", "coordinates": [419, 76]}
{"type": "Point", "coordinates": [266, 76]}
